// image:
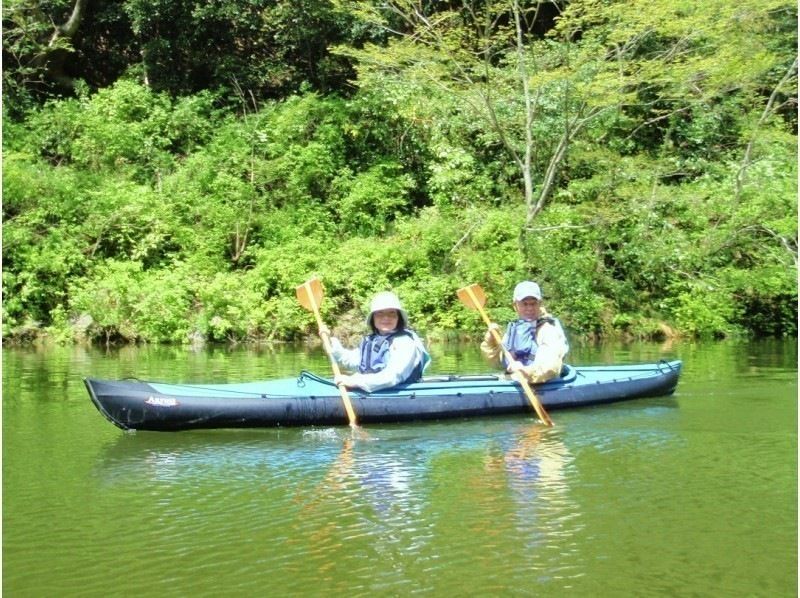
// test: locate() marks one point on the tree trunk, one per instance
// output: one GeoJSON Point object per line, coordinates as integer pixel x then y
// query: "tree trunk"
{"type": "Point", "coordinates": [55, 55]}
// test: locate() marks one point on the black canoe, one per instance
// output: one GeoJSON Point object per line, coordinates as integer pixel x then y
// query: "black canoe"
{"type": "Point", "coordinates": [310, 400]}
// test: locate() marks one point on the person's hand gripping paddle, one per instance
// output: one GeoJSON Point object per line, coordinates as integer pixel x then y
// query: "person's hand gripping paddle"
{"type": "Point", "coordinates": [310, 295]}
{"type": "Point", "coordinates": [474, 298]}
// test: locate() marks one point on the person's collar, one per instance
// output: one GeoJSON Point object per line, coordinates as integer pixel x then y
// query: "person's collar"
{"type": "Point", "coordinates": [543, 313]}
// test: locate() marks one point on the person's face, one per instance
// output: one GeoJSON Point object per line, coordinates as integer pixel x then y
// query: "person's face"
{"type": "Point", "coordinates": [386, 320]}
{"type": "Point", "coordinates": [528, 308]}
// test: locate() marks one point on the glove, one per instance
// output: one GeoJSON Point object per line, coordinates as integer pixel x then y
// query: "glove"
{"type": "Point", "coordinates": [343, 379]}
{"type": "Point", "coordinates": [336, 348]}
{"type": "Point", "coordinates": [489, 338]}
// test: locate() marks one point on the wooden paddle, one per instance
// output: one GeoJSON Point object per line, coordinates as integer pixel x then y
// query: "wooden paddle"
{"type": "Point", "coordinates": [474, 298]}
{"type": "Point", "coordinates": [310, 295]}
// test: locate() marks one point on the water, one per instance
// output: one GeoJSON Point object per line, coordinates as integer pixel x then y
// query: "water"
{"type": "Point", "coordinates": [689, 495]}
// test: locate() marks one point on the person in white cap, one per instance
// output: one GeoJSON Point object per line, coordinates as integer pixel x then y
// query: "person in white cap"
{"type": "Point", "coordinates": [535, 340]}
{"type": "Point", "coordinates": [392, 354]}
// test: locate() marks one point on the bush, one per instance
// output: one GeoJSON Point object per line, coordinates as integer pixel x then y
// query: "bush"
{"type": "Point", "coordinates": [109, 298]}
{"type": "Point", "coordinates": [230, 307]}
{"type": "Point", "coordinates": [123, 127]}
{"type": "Point", "coordinates": [371, 200]}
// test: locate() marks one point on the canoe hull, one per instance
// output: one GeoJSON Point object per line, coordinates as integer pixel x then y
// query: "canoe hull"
{"type": "Point", "coordinates": [310, 400]}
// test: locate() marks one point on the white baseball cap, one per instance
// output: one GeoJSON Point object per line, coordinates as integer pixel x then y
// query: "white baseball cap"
{"type": "Point", "coordinates": [387, 300]}
{"type": "Point", "coordinates": [527, 289]}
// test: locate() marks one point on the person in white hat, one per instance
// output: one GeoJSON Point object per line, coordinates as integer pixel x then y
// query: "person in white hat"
{"type": "Point", "coordinates": [391, 354]}
{"type": "Point", "coordinates": [535, 340]}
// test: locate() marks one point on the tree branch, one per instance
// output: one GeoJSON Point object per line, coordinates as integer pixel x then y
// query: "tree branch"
{"type": "Point", "coordinates": [741, 176]}
{"type": "Point", "coordinates": [69, 28]}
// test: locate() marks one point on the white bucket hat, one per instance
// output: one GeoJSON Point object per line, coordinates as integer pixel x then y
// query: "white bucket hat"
{"type": "Point", "coordinates": [527, 289]}
{"type": "Point", "coordinates": [387, 300]}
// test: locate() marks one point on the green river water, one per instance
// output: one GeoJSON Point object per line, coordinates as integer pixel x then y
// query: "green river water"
{"type": "Point", "coordinates": [689, 495]}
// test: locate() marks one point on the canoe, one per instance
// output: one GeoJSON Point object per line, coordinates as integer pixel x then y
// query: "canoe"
{"type": "Point", "coordinates": [310, 400]}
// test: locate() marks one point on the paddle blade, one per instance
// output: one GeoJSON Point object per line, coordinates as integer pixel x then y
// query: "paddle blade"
{"type": "Point", "coordinates": [472, 296]}
{"type": "Point", "coordinates": [310, 294]}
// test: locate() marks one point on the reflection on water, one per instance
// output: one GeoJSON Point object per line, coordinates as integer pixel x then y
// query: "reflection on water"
{"type": "Point", "coordinates": [381, 480]}
{"type": "Point", "coordinates": [639, 498]}
{"type": "Point", "coordinates": [536, 477]}
{"type": "Point", "coordinates": [415, 500]}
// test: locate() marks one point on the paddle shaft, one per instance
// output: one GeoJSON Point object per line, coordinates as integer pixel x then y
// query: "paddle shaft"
{"type": "Point", "coordinates": [518, 376]}
{"type": "Point", "coordinates": [326, 343]}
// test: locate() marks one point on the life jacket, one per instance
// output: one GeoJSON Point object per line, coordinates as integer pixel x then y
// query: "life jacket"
{"type": "Point", "coordinates": [520, 338]}
{"type": "Point", "coordinates": [375, 353]}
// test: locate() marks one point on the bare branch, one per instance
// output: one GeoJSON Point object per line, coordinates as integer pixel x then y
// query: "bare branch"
{"type": "Point", "coordinates": [741, 176]}
{"type": "Point", "coordinates": [465, 237]}
{"type": "Point", "coordinates": [787, 243]}
{"type": "Point", "coordinates": [647, 123]}
{"type": "Point", "coordinates": [541, 229]}
{"type": "Point", "coordinates": [570, 130]}
{"type": "Point", "coordinates": [71, 26]}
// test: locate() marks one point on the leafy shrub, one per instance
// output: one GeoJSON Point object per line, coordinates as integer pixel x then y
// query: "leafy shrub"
{"type": "Point", "coordinates": [373, 198]}
{"type": "Point", "coordinates": [703, 311]}
{"type": "Point", "coordinates": [125, 126]}
{"type": "Point", "coordinates": [43, 248]}
{"type": "Point", "coordinates": [230, 307]}
{"type": "Point", "coordinates": [109, 298]}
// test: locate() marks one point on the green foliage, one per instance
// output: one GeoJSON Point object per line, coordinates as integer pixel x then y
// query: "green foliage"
{"type": "Point", "coordinates": [457, 177]}
{"type": "Point", "coordinates": [28, 46]}
{"type": "Point", "coordinates": [701, 311]}
{"type": "Point", "coordinates": [372, 199]}
{"type": "Point", "coordinates": [265, 48]}
{"type": "Point", "coordinates": [303, 145]}
{"type": "Point", "coordinates": [123, 127]}
{"type": "Point", "coordinates": [249, 50]}
{"type": "Point", "coordinates": [229, 307]}
{"type": "Point", "coordinates": [132, 215]}
{"type": "Point", "coordinates": [41, 252]}
{"type": "Point", "coordinates": [109, 298]}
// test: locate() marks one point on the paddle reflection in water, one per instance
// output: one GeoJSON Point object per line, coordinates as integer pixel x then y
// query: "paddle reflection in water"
{"type": "Point", "coordinates": [361, 520]}
{"type": "Point", "coordinates": [448, 501]}
{"type": "Point", "coordinates": [535, 465]}
{"type": "Point", "coordinates": [381, 479]}
{"type": "Point", "coordinates": [414, 508]}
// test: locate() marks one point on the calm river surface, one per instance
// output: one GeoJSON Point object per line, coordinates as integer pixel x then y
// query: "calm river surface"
{"type": "Point", "coordinates": [689, 495]}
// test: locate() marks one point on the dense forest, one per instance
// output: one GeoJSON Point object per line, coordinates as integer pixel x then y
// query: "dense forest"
{"type": "Point", "coordinates": [173, 169]}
